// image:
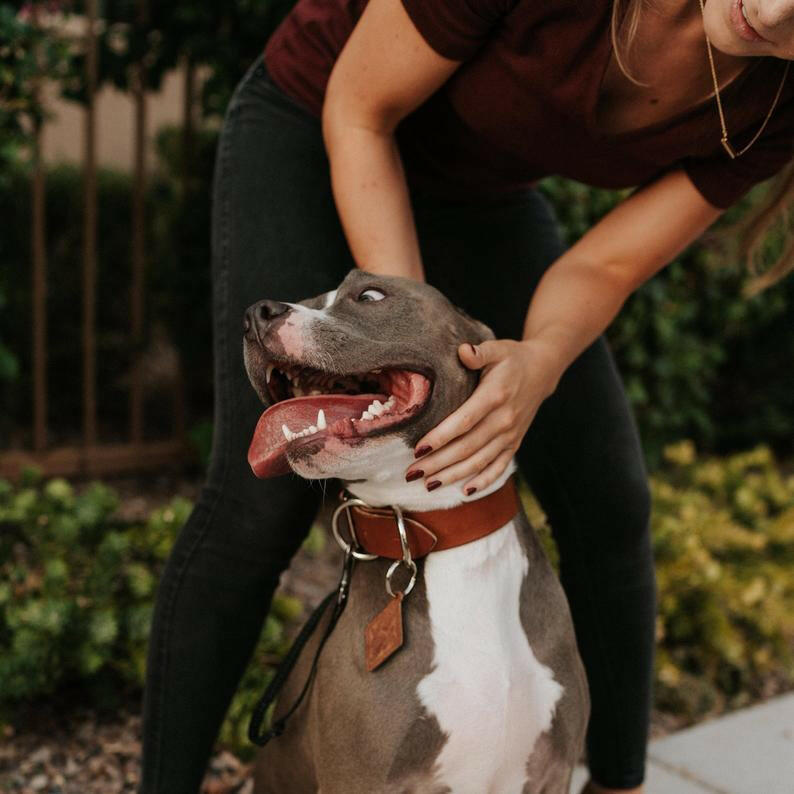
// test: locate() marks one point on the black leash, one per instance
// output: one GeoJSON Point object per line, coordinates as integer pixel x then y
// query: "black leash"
{"type": "Point", "coordinates": [338, 597]}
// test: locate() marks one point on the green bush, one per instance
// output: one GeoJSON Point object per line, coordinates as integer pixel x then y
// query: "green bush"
{"type": "Point", "coordinates": [723, 536]}
{"type": "Point", "coordinates": [77, 591]}
{"type": "Point", "coordinates": [699, 361]}
{"type": "Point", "coordinates": [76, 585]}
{"type": "Point", "coordinates": [177, 299]}
{"type": "Point", "coordinates": [724, 542]}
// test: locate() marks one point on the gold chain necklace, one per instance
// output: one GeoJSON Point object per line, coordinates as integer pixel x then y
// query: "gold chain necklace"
{"type": "Point", "coordinates": [726, 144]}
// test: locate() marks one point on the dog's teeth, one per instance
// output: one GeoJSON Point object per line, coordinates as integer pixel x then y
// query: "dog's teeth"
{"type": "Point", "coordinates": [321, 420]}
{"type": "Point", "coordinates": [268, 372]}
{"type": "Point", "coordinates": [298, 392]}
{"type": "Point", "coordinates": [366, 415]}
{"type": "Point", "coordinates": [288, 434]}
{"type": "Point", "coordinates": [315, 391]}
{"type": "Point", "coordinates": [311, 430]}
{"type": "Point", "coordinates": [376, 408]}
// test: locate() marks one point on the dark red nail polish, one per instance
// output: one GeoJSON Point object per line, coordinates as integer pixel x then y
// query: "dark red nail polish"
{"type": "Point", "coordinates": [423, 450]}
{"type": "Point", "coordinates": [414, 475]}
{"type": "Point", "coordinates": [433, 484]}
{"type": "Point", "coordinates": [470, 490]}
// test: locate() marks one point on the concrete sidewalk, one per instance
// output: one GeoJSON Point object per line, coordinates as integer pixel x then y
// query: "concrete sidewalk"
{"type": "Point", "coordinates": [747, 752]}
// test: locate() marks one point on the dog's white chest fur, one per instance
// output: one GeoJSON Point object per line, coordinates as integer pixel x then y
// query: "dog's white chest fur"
{"type": "Point", "coordinates": [490, 694]}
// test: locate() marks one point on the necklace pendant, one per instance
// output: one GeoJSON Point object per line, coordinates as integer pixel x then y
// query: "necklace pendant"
{"type": "Point", "coordinates": [726, 144]}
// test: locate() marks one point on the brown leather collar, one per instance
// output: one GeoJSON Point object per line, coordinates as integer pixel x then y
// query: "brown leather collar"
{"type": "Point", "coordinates": [434, 530]}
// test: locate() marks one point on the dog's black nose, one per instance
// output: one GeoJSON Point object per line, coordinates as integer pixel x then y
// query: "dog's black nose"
{"type": "Point", "coordinates": [258, 316]}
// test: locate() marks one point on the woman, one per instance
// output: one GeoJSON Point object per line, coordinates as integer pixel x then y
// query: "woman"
{"type": "Point", "coordinates": [691, 103]}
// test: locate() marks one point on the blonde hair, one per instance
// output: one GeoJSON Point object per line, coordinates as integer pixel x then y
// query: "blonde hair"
{"type": "Point", "coordinates": [773, 212]}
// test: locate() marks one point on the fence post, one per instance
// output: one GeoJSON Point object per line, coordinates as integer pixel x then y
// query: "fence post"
{"type": "Point", "coordinates": [138, 238]}
{"type": "Point", "coordinates": [90, 232]}
{"type": "Point", "coordinates": [39, 257]}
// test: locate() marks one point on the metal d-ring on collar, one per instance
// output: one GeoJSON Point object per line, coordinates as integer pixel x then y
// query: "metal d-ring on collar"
{"type": "Point", "coordinates": [353, 546]}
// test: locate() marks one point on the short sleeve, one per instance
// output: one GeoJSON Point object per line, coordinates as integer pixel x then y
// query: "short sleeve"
{"type": "Point", "coordinates": [456, 29]}
{"type": "Point", "coordinates": [722, 181]}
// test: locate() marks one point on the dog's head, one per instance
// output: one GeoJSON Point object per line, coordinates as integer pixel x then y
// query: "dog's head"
{"type": "Point", "coordinates": [351, 374]}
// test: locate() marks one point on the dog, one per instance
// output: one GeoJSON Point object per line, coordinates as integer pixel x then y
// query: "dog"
{"type": "Point", "coordinates": [487, 694]}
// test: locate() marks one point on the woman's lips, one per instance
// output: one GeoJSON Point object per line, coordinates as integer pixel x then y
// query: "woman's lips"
{"type": "Point", "coordinates": [742, 27]}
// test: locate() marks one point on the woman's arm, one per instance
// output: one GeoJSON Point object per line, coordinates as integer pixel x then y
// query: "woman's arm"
{"type": "Point", "coordinates": [577, 298]}
{"type": "Point", "coordinates": [384, 71]}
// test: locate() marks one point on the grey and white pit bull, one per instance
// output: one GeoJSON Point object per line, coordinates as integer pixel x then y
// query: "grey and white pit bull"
{"type": "Point", "coordinates": [488, 694]}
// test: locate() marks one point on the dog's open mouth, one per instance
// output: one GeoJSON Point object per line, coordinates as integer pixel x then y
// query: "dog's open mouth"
{"type": "Point", "coordinates": [310, 406]}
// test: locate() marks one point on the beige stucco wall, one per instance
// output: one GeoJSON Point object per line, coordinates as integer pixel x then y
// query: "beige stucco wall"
{"type": "Point", "coordinates": [63, 135]}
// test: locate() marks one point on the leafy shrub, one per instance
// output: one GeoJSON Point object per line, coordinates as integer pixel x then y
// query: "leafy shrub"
{"type": "Point", "coordinates": [77, 593]}
{"type": "Point", "coordinates": [724, 541]}
{"type": "Point", "coordinates": [76, 586]}
{"type": "Point", "coordinates": [723, 535]}
{"type": "Point", "coordinates": [699, 360]}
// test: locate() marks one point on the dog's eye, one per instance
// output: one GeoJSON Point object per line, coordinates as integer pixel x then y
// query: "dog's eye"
{"type": "Point", "coordinates": [371, 295]}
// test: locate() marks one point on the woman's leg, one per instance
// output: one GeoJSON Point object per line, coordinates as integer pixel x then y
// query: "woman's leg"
{"type": "Point", "coordinates": [582, 459]}
{"type": "Point", "coordinates": [275, 234]}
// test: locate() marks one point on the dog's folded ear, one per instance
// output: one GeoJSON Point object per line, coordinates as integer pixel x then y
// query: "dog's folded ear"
{"type": "Point", "coordinates": [476, 331]}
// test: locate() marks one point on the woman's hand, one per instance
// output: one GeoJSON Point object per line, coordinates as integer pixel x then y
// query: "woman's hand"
{"type": "Point", "coordinates": [477, 441]}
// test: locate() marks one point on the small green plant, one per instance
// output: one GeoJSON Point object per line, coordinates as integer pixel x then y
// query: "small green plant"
{"type": "Point", "coordinates": [723, 536]}
{"type": "Point", "coordinates": [724, 541]}
{"type": "Point", "coordinates": [76, 584]}
{"type": "Point", "coordinates": [77, 589]}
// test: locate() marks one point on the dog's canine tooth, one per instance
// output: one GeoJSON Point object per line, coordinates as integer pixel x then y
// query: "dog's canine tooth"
{"type": "Point", "coordinates": [269, 372]}
{"type": "Point", "coordinates": [288, 434]}
{"type": "Point", "coordinates": [321, 420]}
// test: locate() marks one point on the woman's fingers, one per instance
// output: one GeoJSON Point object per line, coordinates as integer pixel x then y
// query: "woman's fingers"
{"type": "Point", "coordinates": [484, 400]}
{"type": "Point", "coordinates": [490, 474]}
{"type": "Point", "coordinates": [495, 423]}
{"type": "Point", "coordinates": [472, 465]}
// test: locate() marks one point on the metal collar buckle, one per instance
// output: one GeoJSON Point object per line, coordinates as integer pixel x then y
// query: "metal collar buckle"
{"type": "Point", "coordinates": [352, 547]}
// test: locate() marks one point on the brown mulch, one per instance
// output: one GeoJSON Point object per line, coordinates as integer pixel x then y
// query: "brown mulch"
{"type": "Point", "coordinates": [87, 755]}
{"type": "Point", "coordinates": [74, 751]}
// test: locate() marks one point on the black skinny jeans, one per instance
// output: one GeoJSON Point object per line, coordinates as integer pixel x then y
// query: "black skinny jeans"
{"type": "Point", "coordinates": [276, 234]}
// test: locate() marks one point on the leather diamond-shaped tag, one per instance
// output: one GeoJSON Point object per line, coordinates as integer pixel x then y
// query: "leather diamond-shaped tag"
{"type": "Point", "coordinates": [384, 633]}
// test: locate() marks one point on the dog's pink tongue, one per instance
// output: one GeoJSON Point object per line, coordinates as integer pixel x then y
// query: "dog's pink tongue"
{"type": "Point", "coordinates": [267, 453]}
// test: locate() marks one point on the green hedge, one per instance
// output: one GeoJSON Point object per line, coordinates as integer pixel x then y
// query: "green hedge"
{"type": "Point", "coordinates": [723, 538]}
{"type": "Point", "coordinates": [177, 301]}
{"type": "Point", "coordinates": [699, 360]}
{"type": "Point", "coordinates": [77, 588]}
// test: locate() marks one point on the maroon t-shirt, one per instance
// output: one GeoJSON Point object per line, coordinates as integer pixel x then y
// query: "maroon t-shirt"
{"type": "Point", "coordinates": [522, 105]}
